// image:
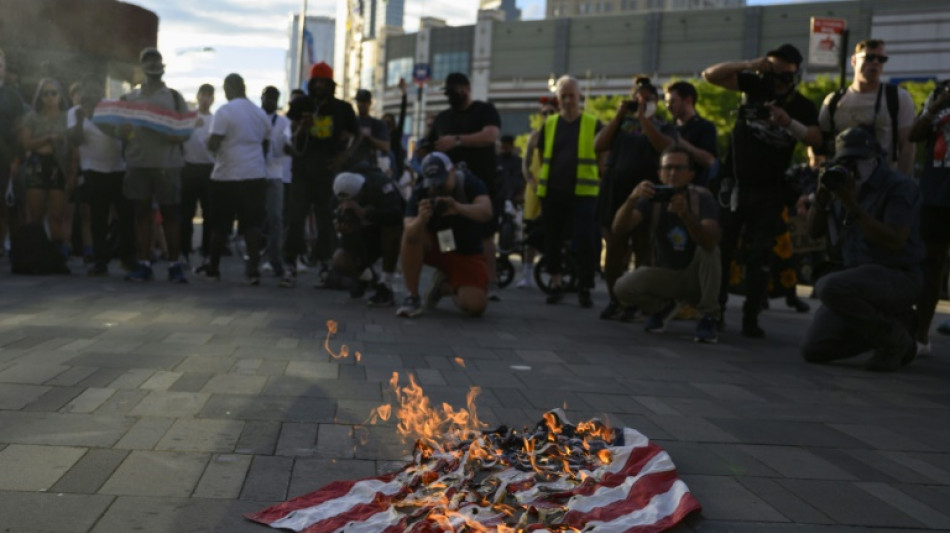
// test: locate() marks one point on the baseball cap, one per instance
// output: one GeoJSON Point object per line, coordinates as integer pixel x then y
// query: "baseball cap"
{"type": "Point", "coordinates": [321, 70]}
{"type": "Point", "coordinates": [435, 169]}
{"type": "Point", "coordinates": [363, 95]}
{"type": "Point", "coordinates": [456, 79]}
{"type": "Point", "coordinates": [348, 185]}
{"type": "Point", "coordinates": [788, 53]}
{"type": "Point", "coordinates": [856, 143]}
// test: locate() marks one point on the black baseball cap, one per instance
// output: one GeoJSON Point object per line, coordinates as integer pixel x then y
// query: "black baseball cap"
{"type": "Point", "coordinates": [364, 95]}
{"type": "Point", "coordinates": [788, 53]}
{"type": "Point", "coordinates": [435, 169]}
{"type": "Point", "coordinates": [456, 79]}
{"type": "Point", "coordinates": [856, 143]}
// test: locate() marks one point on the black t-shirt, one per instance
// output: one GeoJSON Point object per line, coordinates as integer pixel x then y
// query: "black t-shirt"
{"type": "Point", "coordinates": [763, 152]}
{"type": "Point", "coordinates": [322, 139]}
{"type": "Point", "coordinates": [480, 160]}
{"type": "Point", "coordinates": [468, 233]}
{"type": "Point", "coordinates": [382, 200]}
{"type": "Point", "coordinates": [632, 157]}
{"type": "Point", "coordinates": [673, 245]}
{"type": "Point", "coordinates": [700, 133]}
{"type": "Point", "coordinates": [11, 110]}
{"type": "Point", "coordinates": [935, 180]}
{"type": "Point", "coordinates": [562, 175]}
{"type": "Point", "coordinates": [510, 176]}
{"type": "Point", "coordinates": [375, 129]}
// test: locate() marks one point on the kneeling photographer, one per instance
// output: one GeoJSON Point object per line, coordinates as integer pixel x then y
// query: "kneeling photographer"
{"type": "Point", "coordinates": [443, 229]}
{"type": "Point", "coordinates": [368, 218]}
{"type": "Point", "coordinates": [684, 229]}
{"type": "Point", "coordinates": [871, 213]}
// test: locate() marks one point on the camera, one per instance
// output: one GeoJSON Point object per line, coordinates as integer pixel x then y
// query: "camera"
{"type": "Point", "coordinates": [348, 218]}
{"type": "Point", "coordinates": [663, 193]}
{"type": "Point", "coordinates": [439, 207]}
{"type": "Point", "coordinates": [834, 176]}
{"type": "Point", "coordinates": [754, 111]}
{"type": "Point", "coordinates": [631, 106]}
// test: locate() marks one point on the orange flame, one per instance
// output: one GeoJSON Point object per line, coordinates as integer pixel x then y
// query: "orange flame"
{"type": "Point", "coordinates": [460, 362]}
{"type": "Point", "coordinates": [344, 352]}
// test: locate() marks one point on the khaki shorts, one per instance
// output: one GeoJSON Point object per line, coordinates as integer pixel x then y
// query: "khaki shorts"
{"type": "Point", "coordinates": [160, 184]}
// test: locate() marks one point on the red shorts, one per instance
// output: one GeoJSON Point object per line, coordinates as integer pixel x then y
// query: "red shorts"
{"type": "Point", "coordinates": [462, 270]}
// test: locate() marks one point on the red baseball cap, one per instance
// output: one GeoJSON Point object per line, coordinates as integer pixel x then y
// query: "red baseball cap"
{"type": "Point", "coordinates": [321, 70]}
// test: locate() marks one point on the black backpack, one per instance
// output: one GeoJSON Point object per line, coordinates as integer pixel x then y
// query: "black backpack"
{"type": "Point", "coordinates": [32, 253]}
{"type": "Point", "coordinates": [890, 95]}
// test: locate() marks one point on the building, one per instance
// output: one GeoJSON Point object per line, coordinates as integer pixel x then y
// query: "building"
{"type": "Point", "coordinates": [594, 8]}
{"type": "Point", "coordinates": [66, 40]}
{"type": "Point", "coordinates": [508, 7]}
{"type": "Point", "coordinates": [318, 45]}
{"type": "Point", "coordinates": [513, 63]}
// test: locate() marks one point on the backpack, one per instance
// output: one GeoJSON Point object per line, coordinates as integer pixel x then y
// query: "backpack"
{"type": "Point", "coordinates": [32, 253]}
{"type": "Point", "coordinates": [890, 96]}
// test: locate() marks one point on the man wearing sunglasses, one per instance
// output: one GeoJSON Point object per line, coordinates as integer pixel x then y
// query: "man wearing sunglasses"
{"type": "Point", "coordinates": [870, 103]}
{"type": "Point", "coordinates": [773, 119]}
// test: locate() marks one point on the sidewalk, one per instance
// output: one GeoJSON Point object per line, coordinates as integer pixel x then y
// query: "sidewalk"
{"type": "Point", "coordinates": [166, 408]}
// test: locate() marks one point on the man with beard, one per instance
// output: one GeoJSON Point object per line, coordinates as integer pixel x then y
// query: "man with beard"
{"type": "Point", "coordinates": [324, 133]}
{"type": "Point", "coordinates": [772, 119]}
{"type": "Point", "coordinates": [467, 132]}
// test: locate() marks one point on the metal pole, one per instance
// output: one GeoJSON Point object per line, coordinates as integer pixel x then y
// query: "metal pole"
{"type": "Point", "coordinates": [419, 114]}
{"type": "Point", "coordinates": [301, 40]}
{"type": "Point", "coordinates": [843, 58]}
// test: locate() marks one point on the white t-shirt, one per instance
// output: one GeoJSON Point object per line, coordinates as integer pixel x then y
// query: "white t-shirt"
{"type": "Point", "coordinates": [98, 152]}
{"type": "Point", "coordinates": [196, 147]}
{"type": "Point", "coordinates": [279, 137]}
{"type": "Point", "coordinates": [857, 109]}
{"type": "Point", "coordinates": [245, 127]}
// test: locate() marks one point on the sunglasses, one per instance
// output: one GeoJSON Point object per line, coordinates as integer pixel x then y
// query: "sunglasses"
{"type": "Point", "coordinates": [673, 168]}
{"type": "Point", "coordinates": [50, 93]}
{"type": "Point", "coordinates": [874, 57]}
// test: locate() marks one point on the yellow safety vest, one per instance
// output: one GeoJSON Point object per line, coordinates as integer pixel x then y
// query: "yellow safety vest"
{"type": "Point", "coordinates": [588, 182]}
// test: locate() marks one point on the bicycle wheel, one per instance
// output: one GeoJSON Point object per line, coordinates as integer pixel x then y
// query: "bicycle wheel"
{"type": "Point", "coordinates": [568, 275]}
{"type": "Point", "coordinates": [504, 271]}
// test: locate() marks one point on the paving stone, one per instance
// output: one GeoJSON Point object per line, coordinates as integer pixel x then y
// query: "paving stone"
{"type": "Point", "coordinates": [48, 512]}
{"type": "Point", "coordinates": [56, 429]}
{"type": "Point", "coordinates": [797, 463]}
{"type": "Point", "coordinates": [71, 377]}
{"type": "Point", "coordinates": [786, 432]}
{"type": "Point", "coordinates": [164, 515]}
{"type": "Point", "coordinates": [29, 373]}
{"type": "Point", "coordinates": [724, 498]}
{"type": "Point", "coordinates": [784, 501]}
{"type": "Point", "coordinates": [908, 505]}
{"type": "Point", "coordinates": [90, 472]}
{"type": "Point", "coordinates": [125, 358]}
{"type": "Point", "coordinates": [279, 408]}
{"type": "Point", "coordinates": [165, 403]}
{"type": "Point", "coordinates": [268, 479]}
{"type": "Point", "coordinates": [171, 474]}
{"type": "Point", "coordinates": [90, 400]}
{"type": "Point", "coordinates": [310, 474]}
{"type": "Point", "coordinates": [102, 377]}
{"type": "Point", "coordinates": [692, 428]}
{"type": "Point", "coordinates": [235, 384]}
{"type": "Point", "coordinates": [52, 399]}
{"type": "Point", "coordinates": [258, 437]}
{"type": "Point", "coordinates": [132, 378]}
{"type": "Point", "coordinates": [224, 477]}
{"type": "Point", "coordinates": [35, 468]}
{"type": "Point", "coordinates": [145, 434]}
{"type": "Point", "coordinates": [14, 396]}
{"type": "Point", "coordinates": [202, 435]}
{"type": "Point", "coordinates": [297, 439]}
{"type": "Point", "coordinates": [312, 370]}
{"type": "Point", "coordinates": [846, 503]}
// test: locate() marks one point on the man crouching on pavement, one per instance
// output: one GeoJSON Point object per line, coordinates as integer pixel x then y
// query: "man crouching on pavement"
{"type": "Point", "coordinates": [871, 213]}
{"type": "Point", "coordinates": [684, 230]}
{"type": "Point", "coordinates": [443, 229]}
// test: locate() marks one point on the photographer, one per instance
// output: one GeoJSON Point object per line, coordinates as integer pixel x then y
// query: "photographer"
{"type": "Point", "coordinates": [871, 213]}
{"type": "Point", "coordinates": [368, 218]}
{"type": "Point", "coordinates": [443, 229]}
{"type": "Point", "coordinates": [682, 223]}
{"type": "Point", "coordinates": [771, 121]}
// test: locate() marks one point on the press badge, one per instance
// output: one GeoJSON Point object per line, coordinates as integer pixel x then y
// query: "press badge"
{"type": "Point", "coordinates": [446, 241]}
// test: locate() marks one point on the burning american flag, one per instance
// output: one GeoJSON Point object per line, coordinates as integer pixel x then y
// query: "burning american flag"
{"type": "Point", "coordinates": [463, 477]}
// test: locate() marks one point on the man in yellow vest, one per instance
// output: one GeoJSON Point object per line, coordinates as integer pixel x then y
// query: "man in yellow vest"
{"type": "Point", "coordinates": [568, 185]}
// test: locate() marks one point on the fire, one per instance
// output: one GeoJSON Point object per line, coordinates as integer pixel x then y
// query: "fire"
{"type": "Point", "coordinates": [344, 352]}
{"type": "Point", "coordinates": [460, 362]}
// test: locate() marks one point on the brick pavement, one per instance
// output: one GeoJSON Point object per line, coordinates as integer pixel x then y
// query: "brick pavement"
{"type": "Point", "coordinates": [162, 408]}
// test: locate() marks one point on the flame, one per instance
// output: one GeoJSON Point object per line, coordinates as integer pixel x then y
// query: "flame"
{"type": "Point", "coordinates": [460, 362]}
{"type": "Point", "coordinates": [344, 352]}
{"type": "Point", "coordinates": [605, 456]}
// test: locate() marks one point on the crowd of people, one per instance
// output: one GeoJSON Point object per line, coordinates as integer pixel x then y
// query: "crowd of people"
{"type": "Point", "coordinates": [331, 187]}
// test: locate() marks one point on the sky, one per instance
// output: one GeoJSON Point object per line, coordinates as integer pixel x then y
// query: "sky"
{"type": "Point", "coordinates": [205, 40]}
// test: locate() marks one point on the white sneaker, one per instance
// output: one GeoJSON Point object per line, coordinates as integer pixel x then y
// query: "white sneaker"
{"type": "Point", "coordinates": [924, 350]}
{"type": "Point", "coordinates": [524, 283]}
{"type": "Point", "coordinates": [266, 267]}
{"type": "Point", "coordinates": [301, 267]}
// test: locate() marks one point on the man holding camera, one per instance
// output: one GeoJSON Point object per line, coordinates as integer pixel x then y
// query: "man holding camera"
{"type": "Point", "coordinates": [369, 220]}
{"type": "Point", "coordinates": [774, 117]}
{"type": "Point", "coordinates": [682, 222]}
{"type": "Point", "coordinates": [443, 229]}
{"type": "Point", "coordinates": [871, 213]}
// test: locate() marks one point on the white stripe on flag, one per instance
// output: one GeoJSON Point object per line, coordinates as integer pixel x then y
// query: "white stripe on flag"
{"type": "Point", "coordinates": [374, 524]}
{"type": "Point", "coordinates": [605, 496]}
{"type": "Point", "coordinates": [361, 493]}
{"type": "Point", "coordinates": [660, 507]}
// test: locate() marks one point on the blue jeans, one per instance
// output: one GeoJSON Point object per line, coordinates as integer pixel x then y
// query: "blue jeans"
{"type": "Point", "coordinates": [274, 221]}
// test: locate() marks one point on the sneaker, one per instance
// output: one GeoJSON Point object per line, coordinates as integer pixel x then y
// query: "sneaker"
{"type": "Point", "coordinates": [524, 283]}
{"type": "Point", "coordinates": [176, 274]}
{"type": "Point", "coordinates": [434, 294]}
{"type": "Point", "coordinates": [555, 296]}
{"type": "Point", "coordinates": [141, 272]}
{"type": "Point", "coordinates": [266, 267]}
{"type": "Point", "coordinates": [301, 266]}
{"type": "Point", "coordinates": [411, 306]}
{"type": "Point", "coordinates": [707, 330]}
{"type": "Point", "coordinates": [357, 290]}
{"type": "Point", "coordinates": [584, 299]}
{"type": "Point", "coordinates": [751, 329]}
{"type": "Point", "coordinates": [253, 280]}
{"type": "Point", "coordinates": [796, 303]}
{"type": "Point", "coordinates": [657, 321]}
{"type": "Point", "coordinates": [97, 271]}
{"type": "Point", "coordinates": [289, 280]}
{"type": "Point", "coordinates": [924, 350]}
{"type": "Point", "coordinates": [208, 274]}
{"type": "Point", "coordinates": [613, 311]}
{"type": "Point", "coordinates": [382, 298]}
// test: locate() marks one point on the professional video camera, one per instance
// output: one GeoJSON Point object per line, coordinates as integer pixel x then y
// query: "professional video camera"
{"type": "Point", "coordinates": [834, 176]}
